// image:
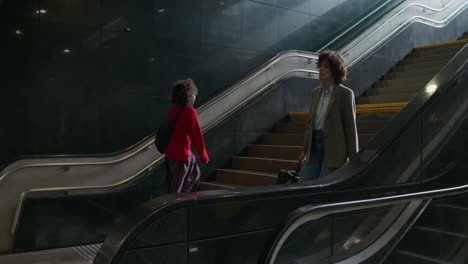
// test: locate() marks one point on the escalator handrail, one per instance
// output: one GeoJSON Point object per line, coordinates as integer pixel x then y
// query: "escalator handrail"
{"type": "Point", "coordinates": [309, 213]}
{"type": "Point", "coordinates": [138, 220]}
{"type": "Point", "coordinates": [349, 29]}
{"type": "Point", "coordinates": [405, 24]}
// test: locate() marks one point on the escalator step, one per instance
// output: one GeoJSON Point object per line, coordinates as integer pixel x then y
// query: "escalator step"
{"type": "Point", "coordinates": [407, 257]}
{"type": "Point", "coordinates": [440, 231]}
{"type": "Point", "coordinates": [87, 252]}
{"type": "Point", "coordinates": [431, 243]}
{"type": "Point", "coordinates": [446, 217]}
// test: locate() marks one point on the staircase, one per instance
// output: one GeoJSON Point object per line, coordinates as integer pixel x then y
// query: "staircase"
{"type": "Point", "coordinates": [280, 148]}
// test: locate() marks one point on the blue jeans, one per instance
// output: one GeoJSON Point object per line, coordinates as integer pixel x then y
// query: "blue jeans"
{"type": "Point", "coordinates": [314, 167]}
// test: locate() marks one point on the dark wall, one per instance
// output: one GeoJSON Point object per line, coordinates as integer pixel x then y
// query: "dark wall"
{"type": "Point", "coordinates": [92, 76]}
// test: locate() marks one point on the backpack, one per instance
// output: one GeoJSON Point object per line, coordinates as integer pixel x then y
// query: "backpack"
{"type": "Point", "coordinates": [163, 136]}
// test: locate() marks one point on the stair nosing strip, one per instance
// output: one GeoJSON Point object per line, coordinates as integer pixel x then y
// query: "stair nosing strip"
{"type": "Point", "coordinates": [283, 134]}
{"type": "Point", "coordinates": [281, 146]}
{"type": "Point", "coordinates": [262, 158]}
{"type": "Point", "coordinates": [222, 184]}
{"type": "Point", "coordinates": [250, 172]}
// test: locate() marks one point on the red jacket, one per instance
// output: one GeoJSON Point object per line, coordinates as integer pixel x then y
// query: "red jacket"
{"type": "Point", "coordinates": [186, 131]}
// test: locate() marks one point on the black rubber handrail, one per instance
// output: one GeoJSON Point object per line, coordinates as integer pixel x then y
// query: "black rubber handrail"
{"type": "Point", "coordinates": [136, 222]}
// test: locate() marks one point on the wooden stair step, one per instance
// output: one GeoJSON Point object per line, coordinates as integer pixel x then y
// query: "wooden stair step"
{"type": "Point", "coordinates": [298, 139]}
{"type": "Point", "coordinates": [370, 126]}
{"type": "Point", "coordinates": [389, 107]}
{"type": "Point", "coordinates": [431, 71]}
{"type": "Point", "coordinates": [416, 64]}
{"type": "Point", "coordinates": [460, 43]}
{"type": "Point", "coordinates": [274, 151]}
{"type": "Point", "coordinates": [299, 127]}
{"type": "Point", "coordinates": [380, 110]}
{"type": "Point", "coordinates": [209, 186]}
{"type": "Point", "coordinates": [376, 116]}
{"type": "Point", "coordinates": [376, 99]}
{"type": "Point", "coordinates": [288, 139]}
{"type": "Point", "coordinates": [262, 164]}
{"type": "Point", "coordinates": [447, 50]}
{"type": "Point", "coordinates": [289, 127]}
{"type": "Point", "coordinates": [393, 90]}
{"type": "Point", "coordinates": [408, 78]}
{"type": "Point", "coordinates": [432, 59]}
{"type": "Point", "coordinates": [297, 117]}
{"type": "Point", "coordinates": [381, 105]}
{"type": "Point", "coordinates": [245, 177]}
{"type": "Point", "coordinates": [404, 82]}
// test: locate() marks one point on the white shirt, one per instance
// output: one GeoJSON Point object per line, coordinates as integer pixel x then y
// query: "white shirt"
{"type": "Point", "coordinates": [322, 106]}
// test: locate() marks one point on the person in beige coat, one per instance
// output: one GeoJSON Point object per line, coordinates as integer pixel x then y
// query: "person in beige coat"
{"type": "Point", "coordinates": [330, 138]}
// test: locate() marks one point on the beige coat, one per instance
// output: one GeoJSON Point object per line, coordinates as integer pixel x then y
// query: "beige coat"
{"type": "Point", "coordinates": [340, 133]}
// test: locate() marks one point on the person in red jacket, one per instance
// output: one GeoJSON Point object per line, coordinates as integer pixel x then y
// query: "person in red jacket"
{"type": "Point", "coordinates": [183, 172]}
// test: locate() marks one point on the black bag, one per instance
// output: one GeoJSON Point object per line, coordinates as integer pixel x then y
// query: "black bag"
{"type": "Point", "coordinates": [288, 176]}
{"type": "Point", "coordinates": [163, 136]}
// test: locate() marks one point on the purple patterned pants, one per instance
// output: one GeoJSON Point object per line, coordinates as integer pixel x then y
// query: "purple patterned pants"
{"type": "Point", "coordinates": [183, 176]}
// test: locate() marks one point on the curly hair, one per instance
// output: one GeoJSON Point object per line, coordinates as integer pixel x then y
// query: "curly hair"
{"type": "Point", "coordinates": [183, 91]}
{"type": "Point", "coordinates": [337, 65]}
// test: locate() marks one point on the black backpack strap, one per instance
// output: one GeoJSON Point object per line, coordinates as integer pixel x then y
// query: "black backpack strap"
{"type": "Point", "coordinates": [177, 115]}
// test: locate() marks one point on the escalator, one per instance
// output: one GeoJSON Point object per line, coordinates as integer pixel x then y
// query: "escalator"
{"type": "Point", "coordinates": [308, 192]}
{"type": "Point", "coordinates": [240, 227]}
